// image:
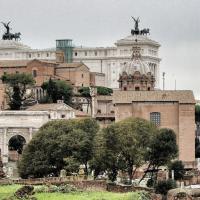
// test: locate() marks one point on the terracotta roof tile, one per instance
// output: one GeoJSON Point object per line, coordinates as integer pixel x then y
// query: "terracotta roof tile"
{"type": "Point", "coordinates": [13, 63]}
{"type": "Point", "coordinates": [181, 96]}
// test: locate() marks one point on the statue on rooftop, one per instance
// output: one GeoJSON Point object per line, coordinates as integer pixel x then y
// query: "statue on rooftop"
{"type": "Point", "coordinates": [136, 23]}
{"type": "Point", "coordinates": [8, 35]}
{"type": "Point", "coordinates": [7, 27]}
{"type": "Point", "coordinates": [137, 31]}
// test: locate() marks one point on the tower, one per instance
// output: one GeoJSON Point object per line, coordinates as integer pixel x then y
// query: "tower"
{"type": "Point", "coordinates": [66, 46]}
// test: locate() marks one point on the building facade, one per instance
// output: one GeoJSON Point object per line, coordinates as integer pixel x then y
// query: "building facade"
{"type": "Point", "coordinates": [106, 60]}
{"type": "Point", "coordinates": [111, 60]}
{"type": "Point", "coordinates": [166, 109]}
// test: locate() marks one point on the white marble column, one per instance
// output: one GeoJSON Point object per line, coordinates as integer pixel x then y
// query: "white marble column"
{"type": "Point", "coordinates": [30, 134]}
{"type": "Point", "coordinates": [5, 146]}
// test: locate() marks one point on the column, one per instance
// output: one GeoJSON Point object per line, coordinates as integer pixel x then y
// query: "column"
{"type": "Point", "coordinates": [30, 134]}
{"type": "Point", "coordinates": [5, 147]}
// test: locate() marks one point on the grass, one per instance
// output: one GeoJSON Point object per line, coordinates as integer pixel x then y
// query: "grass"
{"type": "Point", "coordinates": [6, 191]}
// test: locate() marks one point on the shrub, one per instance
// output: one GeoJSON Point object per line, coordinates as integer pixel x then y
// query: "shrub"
{"type": "Point", "coordinates": [53, 188]}
{"type": "Point", "coordinates": [178, 168]}
{"type": "Point", "coordinates": [67, 188]}
{"type": "Point", "coordinates": [41, 189]}
{"type": "Point", "coordinates": [162, 187]}
{"type": "Point", "coordinates": [151, 182]}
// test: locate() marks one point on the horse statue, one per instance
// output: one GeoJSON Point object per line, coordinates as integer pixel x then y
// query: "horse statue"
{"type": "Point", "coordinates": [145, 31]}
{"type": "Point", "coordinates": [16, 36]}
{"type": "Point", "coordinates": [9, 36]}
{"type": "Point", "coordinates": [137, 31]}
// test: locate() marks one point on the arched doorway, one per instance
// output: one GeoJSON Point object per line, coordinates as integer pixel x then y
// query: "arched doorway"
{"type": "Point", "coordinates": [15, 147]}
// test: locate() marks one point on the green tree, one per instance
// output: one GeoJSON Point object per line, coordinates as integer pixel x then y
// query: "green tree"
{"type": "Point", "coordinates": [178, 168]}
{"type": "Point", "coordinates": [197, 113]}
{"type": "Point", "coordinates": [16, 90]}
{"type": "Point", "coordinates": [104, 91]}
{"type": "Point", "coordinates": [107, 153]}
{"type": "Point", "coordinates": [124, 144]}
{"type": "Point", "coordinates": [57, 90]}
{"type": "Point", "coordinates": [57, 145]}
{"type": "Point", "coordinates": [161, 150]}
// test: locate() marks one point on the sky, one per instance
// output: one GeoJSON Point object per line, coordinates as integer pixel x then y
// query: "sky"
{"type": "Point", "coordinates": [175, 24]}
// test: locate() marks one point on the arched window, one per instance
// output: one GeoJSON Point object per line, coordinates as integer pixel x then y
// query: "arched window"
{"type": "Point", "coordinates": [34, 72]}
{"type": "Point", "coordinates": [155, 117]}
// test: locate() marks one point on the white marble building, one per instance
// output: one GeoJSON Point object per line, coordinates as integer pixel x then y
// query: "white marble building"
{"type": "Point", "coordinates": [15, 50]}
{"type": "Point", "coordinates": [107, 60]}
{"type": "Point", "coordinates": [111, 60]}
{"type": "Point", "coordinates": [27, 122]}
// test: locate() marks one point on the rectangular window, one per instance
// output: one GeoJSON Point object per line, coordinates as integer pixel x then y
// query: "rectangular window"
{"type": "Point", "coordinates": [155, 118]}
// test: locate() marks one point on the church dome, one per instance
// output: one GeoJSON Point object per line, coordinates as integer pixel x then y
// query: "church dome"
{"type": "Point", "coordinates": [136, 66]}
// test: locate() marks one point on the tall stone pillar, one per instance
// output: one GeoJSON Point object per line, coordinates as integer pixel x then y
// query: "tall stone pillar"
{"type": "Point", "coordinates": [93, 92]}
{"type": "Point", "coordinates": [30, 133]}
{"type": "Point", "coordinates": [2, 174]}
{"type": "Point", "coordinates": [5, 147]}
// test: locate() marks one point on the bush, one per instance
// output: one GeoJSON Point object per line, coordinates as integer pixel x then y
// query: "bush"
{"type": "Point", "coordinates": [162, 187]}
{"type": "Point", "coordinates": [143, 196]}
{"type": "Point", "coordinates": [53, 188]}
{"type": "Point", "coordinates": [151, 182]}
{"type": "Point", "coordinates": [67, 188]}
{"type": "Point", "coordinates": [41, 189]}
{"type": "Point", "coordinates": [178, 168]}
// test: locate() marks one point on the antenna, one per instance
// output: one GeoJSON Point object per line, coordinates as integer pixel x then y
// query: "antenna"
{"type": "Point", "coordinates": [175, 85]}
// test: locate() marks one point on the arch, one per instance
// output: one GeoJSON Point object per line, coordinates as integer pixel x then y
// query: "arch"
{"type": "Point", "coordinates": [16, 143]}
{"type": "Point", "coordinates": [15, 147]}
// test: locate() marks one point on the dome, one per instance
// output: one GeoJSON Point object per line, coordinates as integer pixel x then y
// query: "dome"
{"type": "Point", "coordinates": [136, 65]}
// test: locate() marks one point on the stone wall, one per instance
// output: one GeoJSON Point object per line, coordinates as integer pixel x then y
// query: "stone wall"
{"type": "Point", "coordinates": [78, 181]}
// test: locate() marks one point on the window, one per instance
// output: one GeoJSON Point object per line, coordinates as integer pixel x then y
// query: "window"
{"type": "Point", "coordinates": [149, 89]}
{"type": "Point", "coordinates": [38, 55]}
{"type": "Point", "coordinates": [62, 116]}
{"type": "Point", "coordinates": [47, 54]}
{"type": "Point", "coordinates": [85, 53]}
{"type": "Point", "coordinates": [155, 118]}
{"type": "Point", "coordinates": [75, 53]}
{"type": "Point", "coordinates": [82, 75]}
{"type": "Point", "coordinates": [82, 84]}
{"type": "Point", "coordinates": [17, 72]}
{"type": "Point", "coordinates": [137, 88]}
{"type": "Point", "coordinates": [29, 55]}
{"type": "Point", "coordinates": [34, 73]}
{"type": "Point", "coordinates": [95, 53]}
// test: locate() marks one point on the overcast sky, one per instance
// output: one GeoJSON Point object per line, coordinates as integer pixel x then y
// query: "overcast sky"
{"type": "Point", "coordinates": [175, 24]}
